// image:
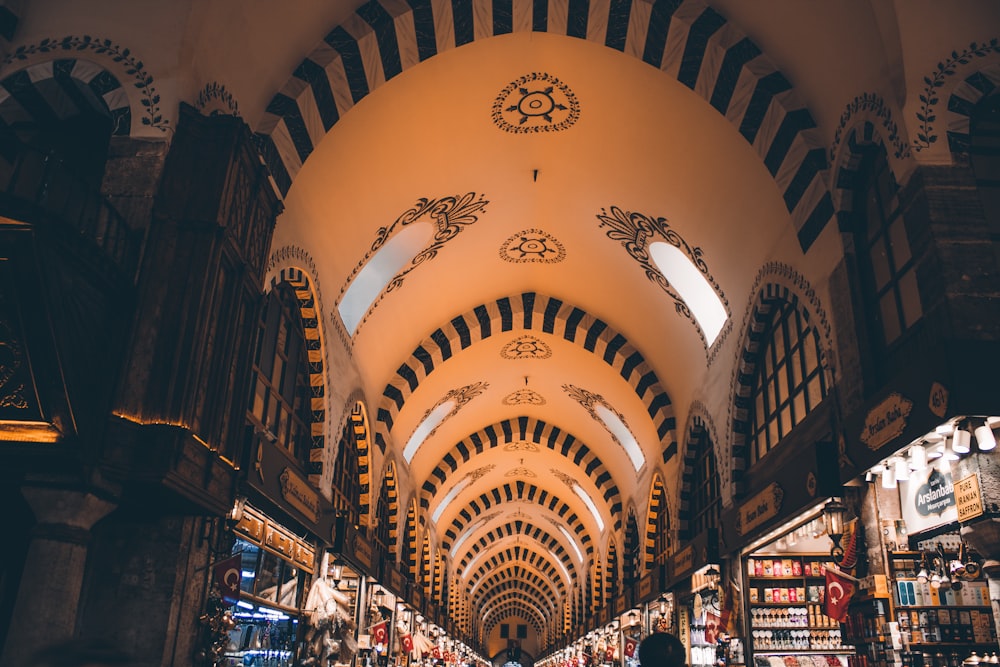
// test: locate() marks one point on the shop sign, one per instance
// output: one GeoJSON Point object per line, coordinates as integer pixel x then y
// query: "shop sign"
{"type": "Point", "coordinates": [396, 581]}
{"type": "Point", "coordinates": [620, 604]}
{"type": "Point", "coordinates": [297, 493]}
{"type": "Point", "coordinates": [886, 421]}
{"type": "Point", "coordinates": [646, 586]}
{"type": "Point", "coordinates": [969, 498]}
{"type": "Point", "coordinates": [936, 495]}
{"type": "Point", "coordinates": [683, 561]}
{"type": "Point", "coordinates": [927, 499]}
{"type": "Point", "coordinates": [760, 509]}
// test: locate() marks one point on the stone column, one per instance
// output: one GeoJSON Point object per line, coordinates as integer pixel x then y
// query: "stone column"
{"type": "Point", "coordinates": [49, 593]}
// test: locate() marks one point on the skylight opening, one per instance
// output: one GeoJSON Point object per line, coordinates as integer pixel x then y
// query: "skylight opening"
{"type": "Point", "coordinates": [693, 288]}
{"type": "Point", "coordinates": [427, 427]}
{"type": "Point", "coordinates": [381, 268]}
{"type": "Point", "coordinates": [572, 542]}
{"type": "Point", "coordinates": [455, 490]}
{"type": "Point", "coordinates": [623, 434]}
{"type": "Point", "coordinates": [590, 505]}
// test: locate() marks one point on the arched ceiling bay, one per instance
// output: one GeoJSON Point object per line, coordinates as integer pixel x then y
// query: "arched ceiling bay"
{"type": "Point", "coordinates": [532, 320]}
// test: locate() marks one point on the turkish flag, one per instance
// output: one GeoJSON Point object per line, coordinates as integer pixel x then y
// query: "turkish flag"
{"type": "Point", "coordinates": [379, 633]}
{"type": "Point", "coordinates": [407, 642]}
{"type": "Point", "coordinates": [436, 652]}
{"type": "Point", "coordinates": [609, 653]}
{"type": "Point", "coordinates": [711, 627]}
{"type": "Point", "coordinates": [228, 575]}
{"type": "Point", "coordinates": [839, 590]}
{"type": "Point", "coordinates": [630, 645]}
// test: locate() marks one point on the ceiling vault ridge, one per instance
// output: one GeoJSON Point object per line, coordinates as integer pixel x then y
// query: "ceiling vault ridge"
{"type": "Point", "coordinates": [530, 311]}
{"type": "Point", "coordinates": [535, 534]}
{"type": "Point", "coordinates": [525, 429]}
{"type": "Point", "coordinates": [688, 41]}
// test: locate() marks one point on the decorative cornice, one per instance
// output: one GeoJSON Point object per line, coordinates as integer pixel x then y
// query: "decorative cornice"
{"type": "Point", "coordinates": [216, 91]}
{"type": "Point", "coordinates": [876, 105]}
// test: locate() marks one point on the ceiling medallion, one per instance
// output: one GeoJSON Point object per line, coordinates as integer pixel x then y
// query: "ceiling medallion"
{"type": "Point", "coordinates": [526, 347]}
{"type": "Point", "coordinates": [524, 397]}
{"type": "Point", "coordinates": [520, 445]}
{"type": "Point", "coordinates": [563, 477]}
{"type": "Point", "coordinates": [521, 471]}
{"type": "Point", "coordinates": [478, 473]}
{"type": "Point", "coordinates": [536, 102]}
{"type": "Point", "coordinates": [532, 245]}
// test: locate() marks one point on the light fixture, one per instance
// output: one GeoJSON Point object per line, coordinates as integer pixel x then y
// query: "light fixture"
{"type": "Point", "coordinates": [336, 572]}
{"type": "Point", "coordinates": [985, 438]}
{"type": "Point", "coordinates": [961, 441]}
{"type": "Point", "coordinates": [633, 617]}
{"type": "Point", "coordinates": [378, 597]}
{"type": "Point", "coordinates": [663, 606]}
{"type": "Point", "coordinates": [918, 457]}
{"type": "Point", "coordinates": [923, 575]}
{"type": "Point", "coordinates": [900, 469]}
{"type": "Point", "coordinates": [888, 479]}
{"type": "Point", "coordinates": [712, 575]}
{"type": "Point", "coordinates": [833, 516]}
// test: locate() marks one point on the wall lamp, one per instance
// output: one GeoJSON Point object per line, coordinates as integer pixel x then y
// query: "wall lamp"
{"type": "Point", "coordinates": [834, 513]}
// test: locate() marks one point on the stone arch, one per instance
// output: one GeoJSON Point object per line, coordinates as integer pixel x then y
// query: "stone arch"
{"type": "Point", "coordinates": [300, 283]}
{"type": "Point", "coordinates": [774, 281]}
{"type": "Point", "coordinates": [362, 440]}
{"type": "Point", "coordinates": [531, 311]}
{"type": "Point", "coordinates": [519, 492]}
{"type": "Point", "coordinates": [632, 551]}
{"type": "Point", "coordinates": [611, 573]}
{"type": "Point", "coordinates": [656, 507]}
{"type": "Point", "coordinates": [700, 425]}
{"type": "Point", "coordinates": [51, 89]}
{"type": "Point", "coordinates": [550, 545]}
{"type": "Point", "coordinates": [531, 430]}
{"type": "Point", "coordinates": [686, 39]}
{"type": "Point", "coordinates": [390, 513]}
{"type": "Point", "coordinates": [857, 139]}
{"type": "Point", "coordinates": [514, 577]}
{"type": "Point", "coordinates": [409, 546]}
{"type": "Point", "coordinates": [962, 102]}
{"type": "Point", "coordinates": [521, 608]}
{"type": "Point", "coordinates": [525, 558]}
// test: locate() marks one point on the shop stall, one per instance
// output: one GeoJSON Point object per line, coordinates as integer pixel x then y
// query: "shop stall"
{"type": "Point", "coordinates": [695, 587]}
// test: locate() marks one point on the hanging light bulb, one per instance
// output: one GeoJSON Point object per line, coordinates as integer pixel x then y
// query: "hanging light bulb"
{"type": "Point", "coordinates": [961, 441]}
{"type": "Point", "coordinates": [985, 438]}
{"type": "Point", "coordinates": [888, 479]}
{"type": "Point", "coordinates": [918, 457]}
{"type": "Point", "coordinates": [900, 469]}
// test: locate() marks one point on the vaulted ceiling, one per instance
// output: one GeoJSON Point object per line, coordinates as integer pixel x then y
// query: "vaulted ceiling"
{"type": "Point", "coordinates": [545, 146]}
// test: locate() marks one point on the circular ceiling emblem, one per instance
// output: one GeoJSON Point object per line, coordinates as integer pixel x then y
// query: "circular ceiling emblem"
{"type": "Point", "coordinates": [526, 347]}
{"type": "Point", "coordinates": [536, 102]}
{"type": "Point", "coordinates": [532, 245]}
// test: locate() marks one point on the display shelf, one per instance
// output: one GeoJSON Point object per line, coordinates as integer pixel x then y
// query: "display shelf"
{"type": "Point", "coordinates": [942, 606]}
{"type": "Point", "coordinates": [794, 627]}
{"type": "Point", "coordinates": [809, 651]}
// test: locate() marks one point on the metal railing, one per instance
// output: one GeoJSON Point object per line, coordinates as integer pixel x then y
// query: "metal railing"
{"type": "Point", "coordinates": [44, 183]}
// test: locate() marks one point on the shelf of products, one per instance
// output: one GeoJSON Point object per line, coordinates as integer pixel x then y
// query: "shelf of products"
{"type": "Point", "coordinates": [786, 610]}
{"type": "Point", "coordinates": [955, 612]}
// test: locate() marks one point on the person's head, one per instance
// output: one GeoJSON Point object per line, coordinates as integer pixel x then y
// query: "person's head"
{"type": "Point", "coordinates": [662, 649]}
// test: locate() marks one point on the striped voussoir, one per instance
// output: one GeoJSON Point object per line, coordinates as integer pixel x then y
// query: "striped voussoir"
{"type": "Point", "coordinates": [963, 100]}
{"type": "Point", "coordinates": [697, 433]}
{"type": "Point", "coordinates": [631, 565]}
{"type": "Point", "coordinates": [657, 506]}
{"type": "Point", "coordinates": [299, 282]}
{"type": "Point", "coordinates": [515, 578]}
{"type": "Point", "coordinates": [550, 548]}
{"type": "Point", "coordinates": [56, 90]}
{"type": "Point", "coordinates": [514, 492]}
{"type": "Point", "coordinates": [517, 558]}
{"type": "Point", "coordinates": [859, 137]}
{"type": "Point", "coordinates": [410, 542]}
{"type": "Point", "coordinates": [530, 312]}
{"type": "Point", "coordinates": [361, 432]}
{"type": "Point", "coordinates": [520, 609]}
{"type": "Point", "coordinates": [611, 576]}
{"type": "Point", "coordinates": [525, 429]}
{"type": "Point", "coordinates": [389, 497]}
{"type": "Point", "coordinates": [686, 40]}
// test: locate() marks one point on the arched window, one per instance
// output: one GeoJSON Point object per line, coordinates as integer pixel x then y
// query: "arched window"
{"type": "Point", "coordinates": [704, 505]}
{"type": "Point", "coordinates": [788, 380]}
{"type": "Point", "coordinates": [281, 405]}
{"type": "Point", "coordinates": [346, 476]}
{"type": "Point", "coordinates": [885, 260]}
{"type": "Point", "coordinates": [382, 527]}
{"type": "Point", "coordinates": [631, 559]}
{"type": "Point", "coordinates": [662, 546]}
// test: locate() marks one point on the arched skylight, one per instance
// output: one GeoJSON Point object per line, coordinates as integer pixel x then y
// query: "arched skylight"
{"type": "Point", "coordinates": [690, 283]}
{"type": "Point", "coordinates": [427, 427]}
{"type": "Point", "coordinates": [382, 267]}
{"type": "Point", "coordinates": [590, 505]}
{"type": "Point", "coordinates": [455, 490]}
{"type": "Point", "coordinates": [622, 433]}
{"type": "Point", "coordinates": [572, 542]}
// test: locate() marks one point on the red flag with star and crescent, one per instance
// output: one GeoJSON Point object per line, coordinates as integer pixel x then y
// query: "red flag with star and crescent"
{"type": "Point", "coordinates": [630, 646]}
{"type": "Point", "coordinates": [379, 633]}
{"type": "Point", "coordinates": [407, 642]}
{"type": "Point", "coordinates": [839, 590]}
{"type": "Point", "coordinates": [436, 652]}
{"type": "Point", "coordinates": [228, 575]}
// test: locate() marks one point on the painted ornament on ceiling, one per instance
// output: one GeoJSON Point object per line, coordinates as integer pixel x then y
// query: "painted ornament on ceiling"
{"type": "Point", "coordinates": [535, 102]}
{"type": "Point", "coordinates": [532, 246]}
{"type": "Point", "coordinates": [526, 347]}
{"type": "Point", "coordinates": [524, 397]}
{"type": "Point", "coordinates": [520, 445]}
